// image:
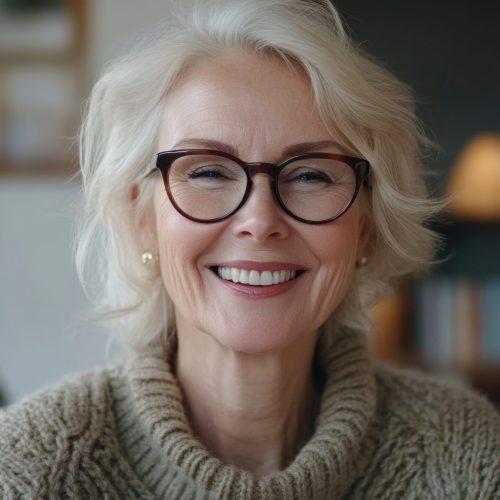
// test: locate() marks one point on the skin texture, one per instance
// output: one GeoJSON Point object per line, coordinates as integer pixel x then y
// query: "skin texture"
{"type": "Point", "coordinates": [244, 363]}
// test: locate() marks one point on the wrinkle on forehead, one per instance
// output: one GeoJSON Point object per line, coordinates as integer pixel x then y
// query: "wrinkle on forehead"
{"type": "Point", "coordinates": [257, 104]}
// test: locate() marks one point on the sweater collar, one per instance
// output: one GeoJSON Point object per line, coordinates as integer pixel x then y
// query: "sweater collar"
{"type": "Point", "coordinates": [156, 435]}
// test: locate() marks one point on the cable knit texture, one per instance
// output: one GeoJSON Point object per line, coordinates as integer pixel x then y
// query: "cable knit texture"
{"type": "Point", "coordinates": [380, 433]}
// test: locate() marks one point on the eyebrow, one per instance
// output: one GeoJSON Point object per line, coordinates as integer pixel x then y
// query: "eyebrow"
{"type": "Point", "coordinates": [294, 149]}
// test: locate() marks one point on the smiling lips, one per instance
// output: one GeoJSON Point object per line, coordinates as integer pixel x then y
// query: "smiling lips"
{"type": "Point", "coordinates": [257, 280]}
{"type": "Point", "coordinates": [254, 277]}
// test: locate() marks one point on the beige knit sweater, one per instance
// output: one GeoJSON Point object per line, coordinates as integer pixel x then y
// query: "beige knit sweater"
{"type": "Point", "coordinates": [121, 433]}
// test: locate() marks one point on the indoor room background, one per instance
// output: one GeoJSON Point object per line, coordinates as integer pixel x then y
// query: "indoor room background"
{"type": "Point", "coordinates": [52, 50]}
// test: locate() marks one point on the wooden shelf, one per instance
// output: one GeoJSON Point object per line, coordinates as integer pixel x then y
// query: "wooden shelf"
{"type": "Point", "coordinates": [67, 169]}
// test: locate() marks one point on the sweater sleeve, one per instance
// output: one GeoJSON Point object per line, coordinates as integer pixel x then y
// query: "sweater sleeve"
{"type": "Point", "coordinates": [435, 440]}
{"type": "Point", "coordinates": [50, 442]}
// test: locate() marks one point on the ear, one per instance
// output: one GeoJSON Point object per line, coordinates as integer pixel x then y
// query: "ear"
{"type": "Point", "coordinates": [133, 193]}
{"type": "Point", "coordinates": [143, 219]}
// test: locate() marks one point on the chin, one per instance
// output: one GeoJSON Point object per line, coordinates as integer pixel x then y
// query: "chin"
{"type": "Point", "coordinates": [256, 339]}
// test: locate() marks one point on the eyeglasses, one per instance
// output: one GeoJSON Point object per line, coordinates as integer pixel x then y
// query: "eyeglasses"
{"type": "Point", "coordinates": [209, 186]}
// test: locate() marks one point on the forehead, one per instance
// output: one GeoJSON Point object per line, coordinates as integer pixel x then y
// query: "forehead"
{"type": "Point", "coordinates": [248, 101]}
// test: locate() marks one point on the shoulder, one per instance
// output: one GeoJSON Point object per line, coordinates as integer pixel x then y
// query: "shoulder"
{"type": "Point", "coordinates": [449, 434]}
{"type": "Point", "coordinates": [73, 403]}
{"type": "Point", "coordinates": [49, 427]}
{"type": "Point", "coordinates": [418, 398]}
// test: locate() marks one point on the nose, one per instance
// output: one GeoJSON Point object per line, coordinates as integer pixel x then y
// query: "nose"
{"type": "Point", "coordinates": [261, 218]}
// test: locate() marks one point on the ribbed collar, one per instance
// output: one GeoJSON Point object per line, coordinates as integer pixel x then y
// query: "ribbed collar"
{"type": "Point", "coordinates": [156, 436]}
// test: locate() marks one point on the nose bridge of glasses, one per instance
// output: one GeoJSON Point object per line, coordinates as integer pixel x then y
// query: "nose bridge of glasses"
{"type": "Point", "coordinates": [255, 168]}
{"type": "Point", "coordinates": [269, 169]}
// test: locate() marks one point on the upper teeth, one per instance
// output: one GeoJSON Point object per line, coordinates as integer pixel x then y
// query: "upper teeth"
{"type": "Point", "coordinates": [251, 277]}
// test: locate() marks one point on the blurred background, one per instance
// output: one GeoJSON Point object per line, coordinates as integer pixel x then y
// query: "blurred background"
{"type": "Point", "coordinates": [52, 50]}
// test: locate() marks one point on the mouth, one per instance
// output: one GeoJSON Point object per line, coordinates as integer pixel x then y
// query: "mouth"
{"type": "Point", "coordinates": [254, 277]}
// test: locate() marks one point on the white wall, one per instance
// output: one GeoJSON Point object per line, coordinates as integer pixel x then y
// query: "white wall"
{"type": "Point", "coordinates": [42, 334]}
{"type": "Point", "coordinates": [115, 23]}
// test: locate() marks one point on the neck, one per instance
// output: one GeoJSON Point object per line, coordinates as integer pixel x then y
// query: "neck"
{"type": "Point", "coordinates": [250, 410]}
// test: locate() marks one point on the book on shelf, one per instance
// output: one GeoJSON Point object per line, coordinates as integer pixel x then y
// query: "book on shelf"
{"type": "Point", "coordinates": [458, 322]}
{"type": "Point", "coordinates": [490, 321]}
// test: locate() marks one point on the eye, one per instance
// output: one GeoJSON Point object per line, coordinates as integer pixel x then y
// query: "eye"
{"type": "Point", "coordinates": [205, 172]}
{"type": "Point", "coordinates": [211, 173]}
{"type": "Point", "coordinates": [306, 175]}
{"type": "Point", "coordinates": [310, 176]}
{"type": "Point", "coordinates": [208, 172]}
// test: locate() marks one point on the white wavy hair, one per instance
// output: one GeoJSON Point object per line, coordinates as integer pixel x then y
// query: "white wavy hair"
{"type": "Point", "coordinates": [371, 110]}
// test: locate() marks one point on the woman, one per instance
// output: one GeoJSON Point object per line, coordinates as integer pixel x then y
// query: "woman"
{"type": "Point", "coordinates": [286, 196]}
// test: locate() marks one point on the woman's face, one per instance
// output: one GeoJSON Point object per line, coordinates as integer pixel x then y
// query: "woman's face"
{"type": "Point", "coordinates": [256, 107]}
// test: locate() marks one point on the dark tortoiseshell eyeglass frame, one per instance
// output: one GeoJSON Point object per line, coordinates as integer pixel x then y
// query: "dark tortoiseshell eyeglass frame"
{"type": "Point", "coordinates": [165, 159]}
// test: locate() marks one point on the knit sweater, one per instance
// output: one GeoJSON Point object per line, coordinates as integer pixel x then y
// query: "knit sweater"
{"type": "Point", "coordinates": [122, 433]}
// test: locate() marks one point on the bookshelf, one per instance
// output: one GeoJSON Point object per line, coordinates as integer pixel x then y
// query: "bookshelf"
{"type": "Point", "coordinates": [448, 322]}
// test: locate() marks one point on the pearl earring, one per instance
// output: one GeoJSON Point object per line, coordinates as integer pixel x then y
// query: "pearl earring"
{"type": "Point", "coordinates": [148, 257]}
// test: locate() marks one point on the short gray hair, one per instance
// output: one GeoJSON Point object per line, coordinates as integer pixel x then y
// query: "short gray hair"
{"type": "Point", "coordinates": [371, 110]}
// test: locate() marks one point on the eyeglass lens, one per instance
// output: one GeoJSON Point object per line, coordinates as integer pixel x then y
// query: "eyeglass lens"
{"type": "Point", "coordinates": [208, 187]}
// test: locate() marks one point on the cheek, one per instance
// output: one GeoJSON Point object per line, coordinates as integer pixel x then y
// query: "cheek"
{"type": "Point", "coordinates": [181, 244]}
{"type": "Point", "coordinates": [336, 253]}
{"type": "Point", "coordinates": [177, 252]}
{"type": "Point", "coordinates": [179, 274]}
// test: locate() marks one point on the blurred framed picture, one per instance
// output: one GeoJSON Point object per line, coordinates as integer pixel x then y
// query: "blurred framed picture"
{"type": "Point", "coordinates": [48, 28]}
{"type": "Point", "coordinates": [41, 48]}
